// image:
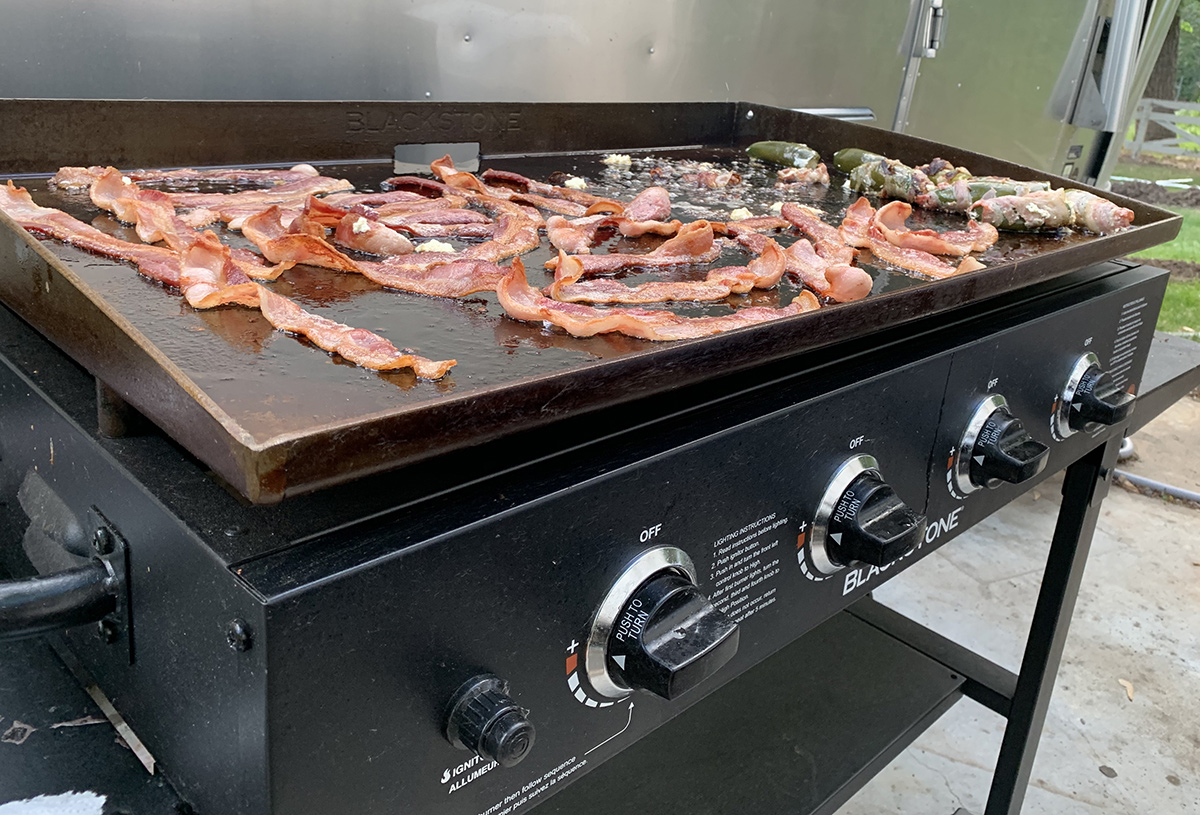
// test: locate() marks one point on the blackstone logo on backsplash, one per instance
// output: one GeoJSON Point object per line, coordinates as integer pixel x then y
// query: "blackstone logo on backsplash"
{"type": "Point", "coordinates": [466, 772]}
{"type": "Point", "coordinates": [432, 121]}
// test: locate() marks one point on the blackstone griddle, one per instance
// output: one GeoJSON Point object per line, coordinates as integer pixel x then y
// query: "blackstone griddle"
{"type": "Point", "coordinates": [275, 417]}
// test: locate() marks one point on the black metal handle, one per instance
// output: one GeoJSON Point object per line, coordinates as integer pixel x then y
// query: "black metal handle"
{"type": "Point", "coordinates": [51, 602]}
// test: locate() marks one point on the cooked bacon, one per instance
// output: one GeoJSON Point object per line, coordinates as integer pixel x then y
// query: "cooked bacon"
{"type": "Point", "coordinates": [651, 204]}
{"type": "Point", "coordinates": [293, 193]}
{"type": "Point", "coordinates": [156, 221]}
{"type": "Point", "coordinates": [855, 223]}
{"type": "Point", "coordinates": [712, 179]}
{"type": "Point", "coordinates": [266, 231]}
{"type": "Point", "coordinates": [838, 281]}
{"type": "Point", "coordinates": [372, 199]}
{"type": "Point", "coordinates": [527, 185]}
{"type": "Point", "coordinates": [208, 277]}
{"type": "Point", "coordinates": [804, 263]}
{"type": "Point", "coordinates": [439, 276]}
{"type": "Point", "coordinates": [915, 260]}
{"type": "Point", "coordinates": [155, 262]}
{"type": "Point", "coordinates": [71, 178]}
{"type": "Point", "coordinates": [635, 229]}
{"type": "Point", "coordinates": [444, 217]}
{"type": "Point", "coordinates": [847, 283]}
{"type": "Point", "coordinates": [426, 187]}
{"type": "Point", "coordinates": [355, 345]}
{"type": "Point", "coordinates": [576, 237]}
{"type": "Point", "coordinates": [357, 232]}
{"type": "Point", "coordinates": [763, 272]}
{"type": "Point", "coordinates": [558, 206]}
{"type": "Point", "coordinates": [426, 230]}
{"type": "Point", "coordinates": [803, 176]}
{"type": "Point", "coordinates": [693, 244]}
{"type": "Point", "coordinates": [523, 302]}
{"type": "Point", "coordinates": [826, 239]}
{"type": "Point", "coordinates": [758, 223]}
{"type": "Point", "coordinates": [891, 222]}
{"type": "Point", "coordinates": [605, 207]}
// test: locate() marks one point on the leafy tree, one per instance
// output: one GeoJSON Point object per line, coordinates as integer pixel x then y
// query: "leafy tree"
{"type": "Point", "coordinates": [1187, 67]}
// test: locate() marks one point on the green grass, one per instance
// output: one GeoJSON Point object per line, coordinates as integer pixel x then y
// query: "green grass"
{"type": "Point", "coordinates": [1181, 306]}
{"type": "Point", "coordinates": [1185, 247]}
{"type": "Point", "coordinates": [1154, 172]}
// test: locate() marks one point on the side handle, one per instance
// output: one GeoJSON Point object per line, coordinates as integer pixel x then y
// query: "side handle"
{"type": "Point", "coordinates": [37, 605]}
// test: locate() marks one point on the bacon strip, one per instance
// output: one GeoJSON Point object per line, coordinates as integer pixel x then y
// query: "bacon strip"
{"type": "Point", "coordinates": [855, 223]}
{"type": "Point", "coordinates": [357, 232]}
{"type": "Point", "coordinates": [446, 276]}
{"type": "Point", "coordinates": [761, 273]}
{"type": "Point", "coordinates": [528, 185]}
{"type": "Point", "coordinates": [73, 178]}
{"type": "Point", "coordinates": [646, 214]}
{"type": "Point", "coordinates": [576, 237]}
{"type": "Point", "coordinates": [355, 345]}
{"type": "Point", "coordinates": [651, 204]}
{"type": "Point", "coordinates": [693, 244]}
{"type": "Point", "coordinates": [838, 281]}
{"type": "Point", "coordinates": [826, 239]}
{"type": "Point", "coordinates": [373, 199]}
{"type": "Point", "coordinates": [208, 277]}
{"type": "Point", "coordinates": [915, 260]}
{"type": "Point", "coordinates": [155, 262]}
{"type": "Point", "coordinates": [293, 192]}
{"type": "Point", "coordinates": [523, 302]}
{"type": "Point", "coordinates": [891, 222]}
{"type": "Point", "coordinates": [266, 231]}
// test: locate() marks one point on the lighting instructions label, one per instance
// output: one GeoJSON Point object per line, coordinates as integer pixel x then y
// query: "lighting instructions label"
{"type": "Point", "coordinates": [745, 563]}
{"type": "Point", "coordinates": [531, 791]}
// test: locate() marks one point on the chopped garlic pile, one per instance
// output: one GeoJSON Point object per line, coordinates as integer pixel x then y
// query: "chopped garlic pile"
{"type": "Point", "coordinates": [740, 214]}
{"type": "Point", "coordinates": [360, 226]}
{"type": "Point", "coordinates": [618, 158]}
{"type": "Point", "coordinates": [575, 183]}
{"type": "Point", "coordinates": [434, 246]}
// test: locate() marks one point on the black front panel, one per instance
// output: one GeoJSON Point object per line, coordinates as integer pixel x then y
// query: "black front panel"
{"type": "Point", "coordinates": [514, 596]}
{"type": "Point", "coordinates": [364, 663]}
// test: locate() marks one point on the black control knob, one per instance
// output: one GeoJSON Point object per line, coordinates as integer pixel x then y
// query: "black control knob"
{"type": "Point", "coordinates": [1004, 451]}
{"type": "Point", "coordinates": [1098, 401]}
{"type": "Point", "coordinates": [668, 637]}
{"type": "Point", "coordinates": [483, 719]}
{"type": "Point", "coordinates": [871, 524]}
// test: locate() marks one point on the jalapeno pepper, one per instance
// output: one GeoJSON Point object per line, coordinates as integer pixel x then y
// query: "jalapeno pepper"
{"type": "Point", "coordinates": [785, 153]}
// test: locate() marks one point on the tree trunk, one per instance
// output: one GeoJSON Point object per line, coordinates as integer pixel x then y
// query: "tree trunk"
{"type": "Point", "coordinates": [1162, 79]}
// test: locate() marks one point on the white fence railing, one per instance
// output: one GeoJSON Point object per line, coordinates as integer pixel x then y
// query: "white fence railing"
{"type": "Point", "coordinates": [1170, 115]}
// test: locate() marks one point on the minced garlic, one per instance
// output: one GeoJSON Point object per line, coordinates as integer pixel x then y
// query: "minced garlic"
{"type": "Point", "coordinates": [126, 179]}
{"type": "Point", "coordinates": [575, 183]}
{"type": "Point", "coordinates": [618, 158]}
{"type": "Point", "coordinates": [740, 214]}
{"type": "Point", "coordinates": [777, 208]}
{"type": "Point", "coordinates": [360, 226]}
{"type": "Point", "coordinates": [434, 246]}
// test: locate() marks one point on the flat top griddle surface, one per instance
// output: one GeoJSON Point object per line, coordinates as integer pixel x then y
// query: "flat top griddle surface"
{"type": "Point", "coordinates": [275, 416]}
{"type": "Point", "coordinates": [274, 385]}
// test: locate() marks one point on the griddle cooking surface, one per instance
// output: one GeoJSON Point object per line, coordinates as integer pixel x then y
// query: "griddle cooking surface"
{"type": "Point", "coordinates": [273, 385]}
{"type": "Point", "coordinates": [274, 416]}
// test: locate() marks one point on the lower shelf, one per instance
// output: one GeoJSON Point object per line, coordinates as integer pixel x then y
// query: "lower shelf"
{"type": "Point", "coordinates": [798, 734]}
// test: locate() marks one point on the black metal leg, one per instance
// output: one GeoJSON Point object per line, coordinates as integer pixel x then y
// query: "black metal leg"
{"type": "Point", "coordinates": [1084, 487]}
